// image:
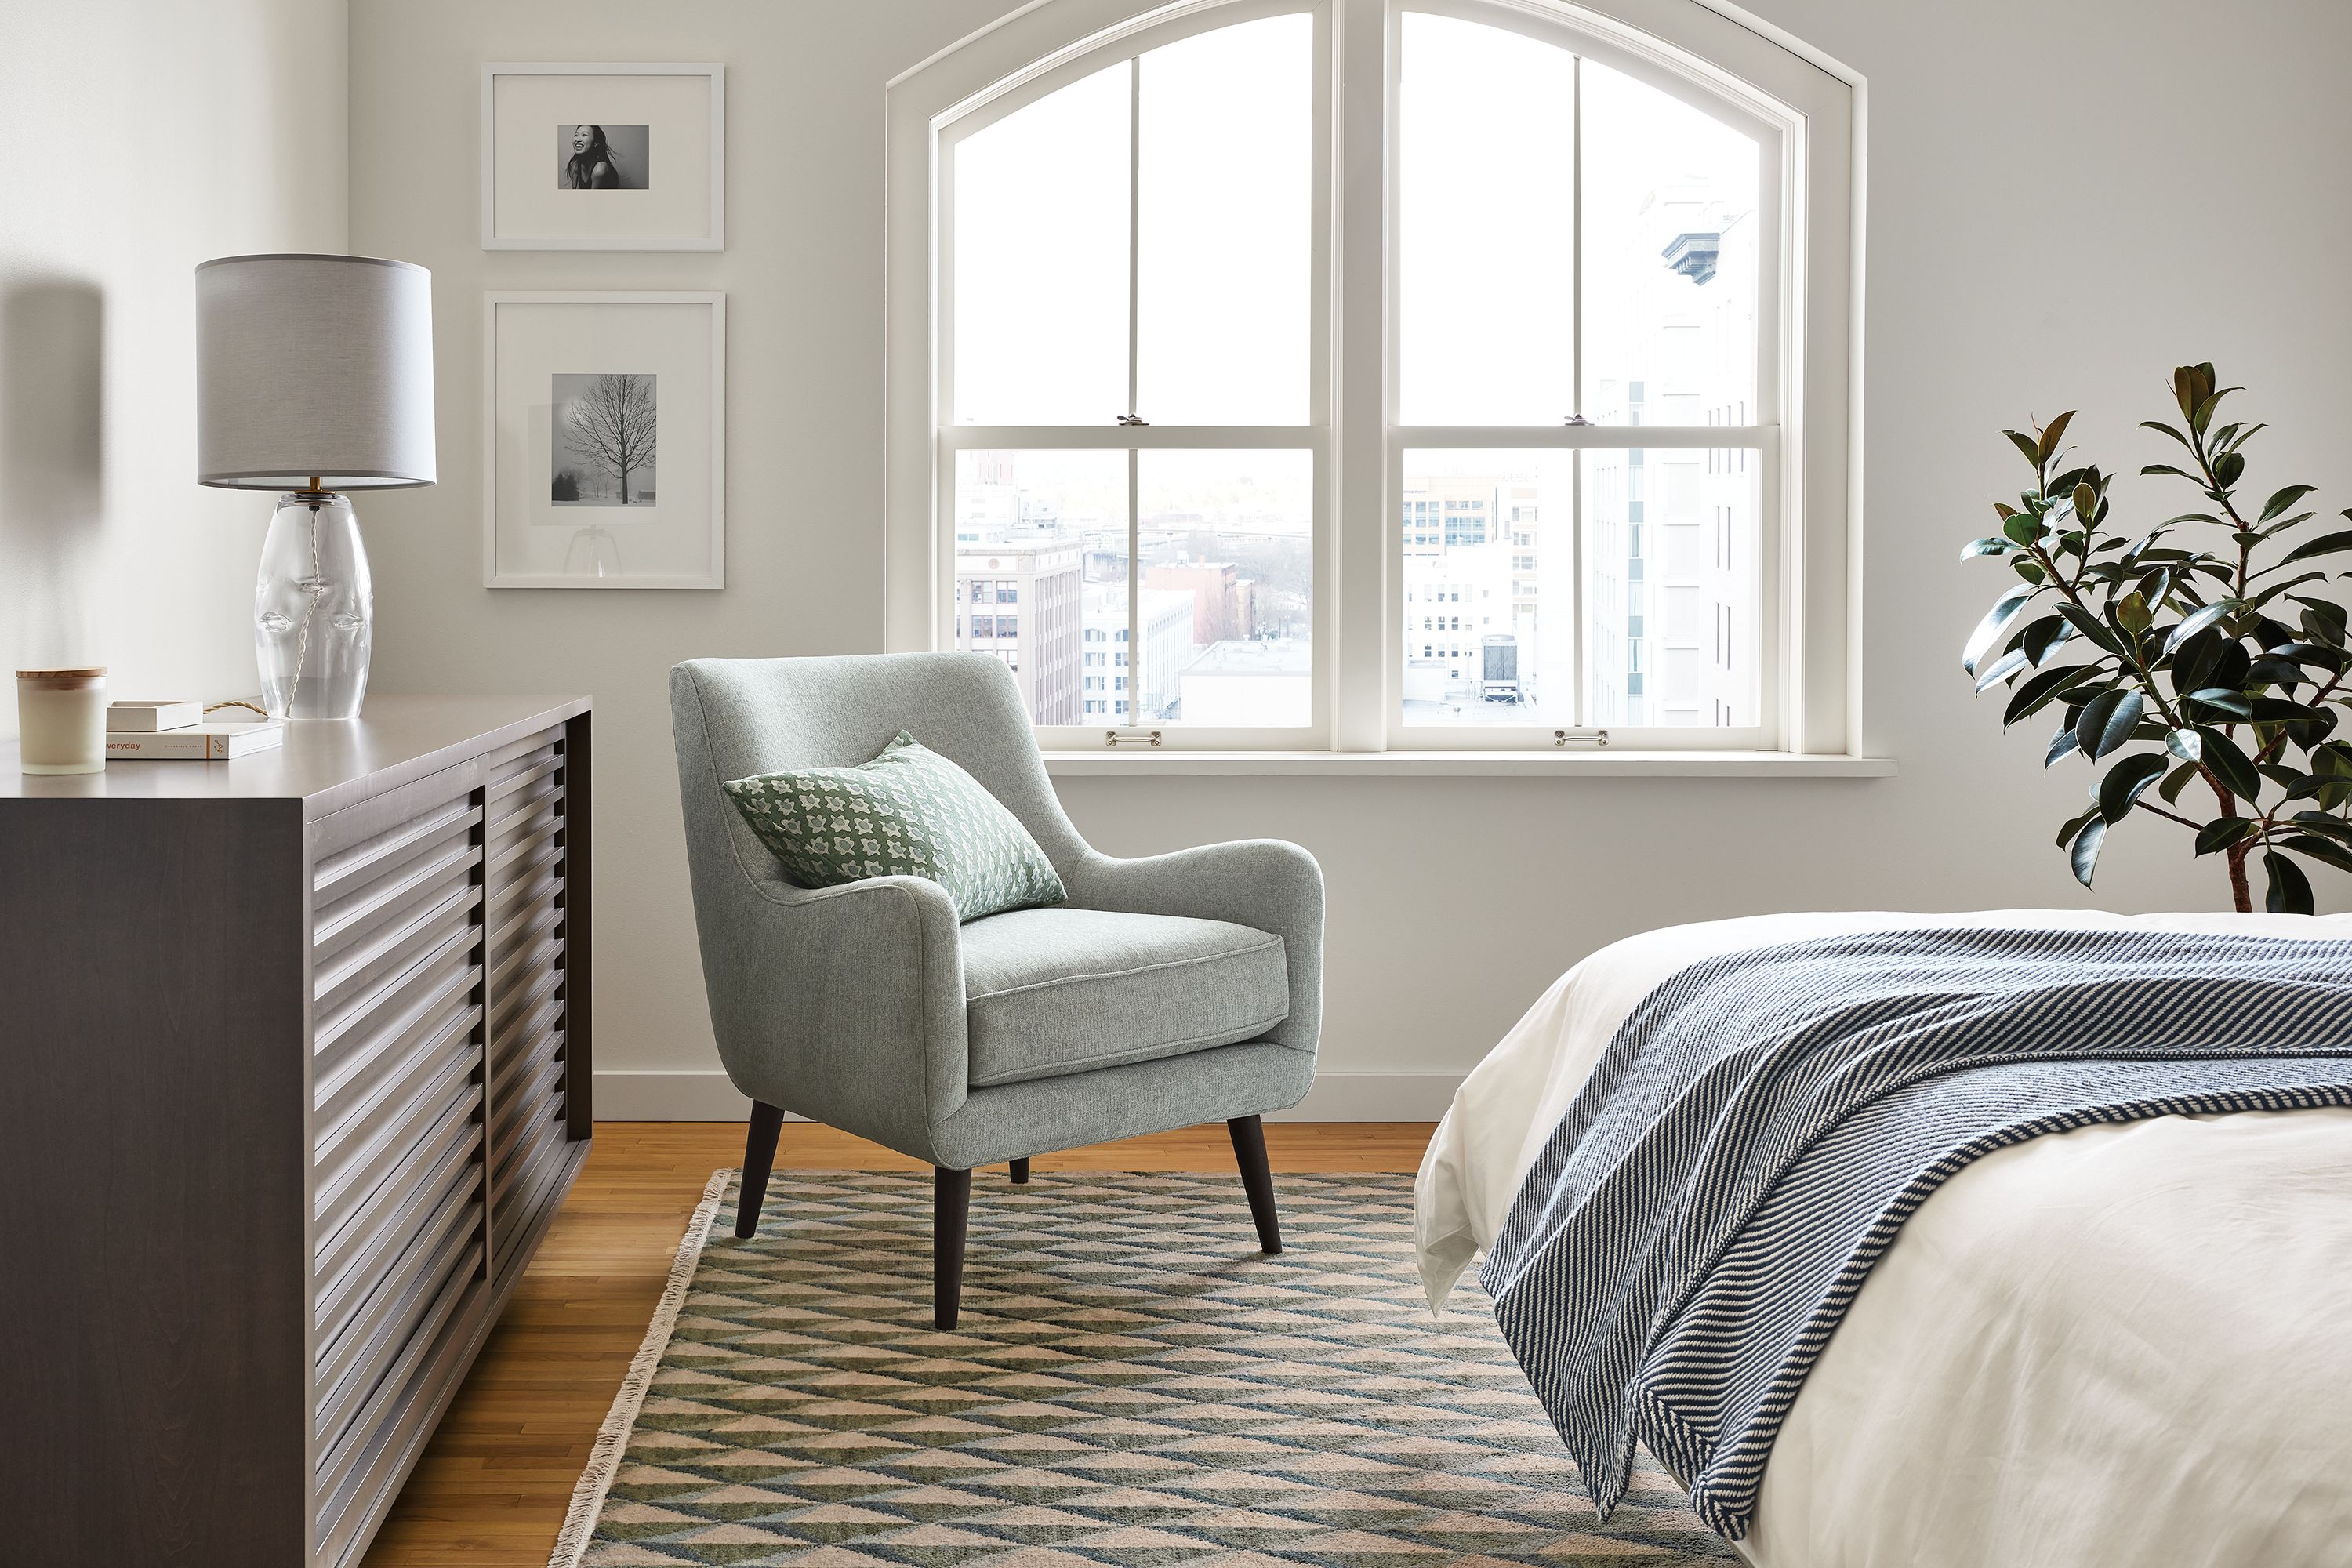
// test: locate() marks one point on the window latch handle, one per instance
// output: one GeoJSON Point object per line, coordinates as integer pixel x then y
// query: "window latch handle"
{"type": "Point", "coordinates": [1579, 737]}
{"type": "Point", "coordinates": [1131, 737]}
{"type": "Point", "coordinates": [1133, 419]}
{"type": "Point", "coordinates": [1577, 419]}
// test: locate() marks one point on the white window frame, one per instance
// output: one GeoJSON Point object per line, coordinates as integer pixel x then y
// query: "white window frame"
{"type": "Point", "coordinates": [1807, 114]}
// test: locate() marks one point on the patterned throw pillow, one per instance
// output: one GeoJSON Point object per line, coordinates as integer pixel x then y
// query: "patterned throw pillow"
{"type": "Point", "coordinates": [909, 813]}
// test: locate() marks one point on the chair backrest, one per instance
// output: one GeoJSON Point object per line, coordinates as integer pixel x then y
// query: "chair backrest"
{"type": "Point", "coordinates": [735, 717]}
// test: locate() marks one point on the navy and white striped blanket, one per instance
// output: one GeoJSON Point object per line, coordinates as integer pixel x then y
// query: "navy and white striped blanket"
{"type": "Point", "coordinates": [1762, 1124]}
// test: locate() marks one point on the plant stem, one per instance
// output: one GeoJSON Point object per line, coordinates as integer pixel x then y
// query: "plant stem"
{"type": "Point", "coordinates": [2238, 887]}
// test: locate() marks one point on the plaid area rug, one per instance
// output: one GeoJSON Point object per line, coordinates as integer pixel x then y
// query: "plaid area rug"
{"type": "Point", "coordinates": [1131, 1386]}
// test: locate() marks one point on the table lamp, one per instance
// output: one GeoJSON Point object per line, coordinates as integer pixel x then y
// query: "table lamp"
{"type": "Point", "coordinates": [314, 377]}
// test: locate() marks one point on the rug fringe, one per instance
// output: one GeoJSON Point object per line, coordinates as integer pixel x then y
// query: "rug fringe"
{"type": "Point", "coordinates": [613, 1437]}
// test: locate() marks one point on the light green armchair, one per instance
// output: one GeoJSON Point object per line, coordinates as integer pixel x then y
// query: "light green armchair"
{"type": "Point", "coordinates": [1167, 992]}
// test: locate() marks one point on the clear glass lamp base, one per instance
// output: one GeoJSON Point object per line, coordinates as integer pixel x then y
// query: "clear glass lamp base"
{"type": "Point", "coordinates": [313, 609]}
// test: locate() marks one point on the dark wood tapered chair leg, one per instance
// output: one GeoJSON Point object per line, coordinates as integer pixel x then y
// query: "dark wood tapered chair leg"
{"type": "Point", "coordinates": [1020, 1173]}
{"type": "Point", "coordinates": [1257, 1181]}
{"type": "Point", "coordinates": [951, 1213]}
{"type": "Point", "coordinates": [759, 1158]}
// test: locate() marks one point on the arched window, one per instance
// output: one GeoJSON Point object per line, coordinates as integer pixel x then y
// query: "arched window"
{"type": "Point", "coordinates": [1252, 322]}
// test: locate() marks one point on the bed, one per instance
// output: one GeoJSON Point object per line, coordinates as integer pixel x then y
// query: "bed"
{"type": "Point", "coordinates": [2126, 1342]}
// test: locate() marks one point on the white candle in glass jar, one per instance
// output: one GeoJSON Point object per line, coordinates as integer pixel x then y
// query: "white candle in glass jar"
{"type": "Point", "coordinates": [61, 719]}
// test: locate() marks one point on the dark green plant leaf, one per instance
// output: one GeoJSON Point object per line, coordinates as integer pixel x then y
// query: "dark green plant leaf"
{"type": "Point", "coordinates": [2043, 636]}
{"type": "Point", "coordinates": [2022, 529]}
{"type": "Point", "coordinates": [2283, 499]}
{"type": "Point", "coordinates": [2027, 445]}
{"type": "Point", "coordinates": [1996, 621]}
{"type": "Point", "coordinates": [2196, 621]}
{"type": "Point", "coordinates": [2091, 627]}
{"type": "Point", "coordinates": [2325, 544]}
{"type": "Point", "coordinates": [2126, 782]}
{"type": "Point", "coordinates": [2222, 759]}
{"type": "Point", "coordinates": [2224, 699]}
{"type": "Point", "coordinates": [2319, 822]}
{"type": "Point", "coordinates": [2325, 851]}
{"type": "Point", "coordinates": [2026, 567]}
{"type": "Point", "coordinates": [2001, 669]}
{"type": "Point", "coordinates": [2193, 661]}
{"type": "Point", "coordinates": [2220, 833]}
{"type": "Point", "coordinates": [2041, 689]}
{"type": "Point", "coordinates": [2061, 744]}
{"type": "Point", "coordinates": [2084, 856]}
{"type": "Point", "coordinates": [2176, 780]}
{"type": "Point", "coordinates": [1976, 547]}
{"type": "Point", "coordinates": [2160, 424]}
{"type": "Point", "coordinates": [2229, 468]}
{"type": "Point", "coordinates": [2107, 721]}
{"type": "Point", "coordinates": [2290, 890]}
{"type": "Point", "coordinates": [2155, 469]}
{"type": "Point", "coordinates": [2075, 825]}
{"type": "Point", "coordinates": [2184, 744]}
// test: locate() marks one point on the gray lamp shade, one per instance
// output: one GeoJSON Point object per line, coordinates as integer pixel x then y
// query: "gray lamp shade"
{"type": "Point", "coordinates": [314, 365]}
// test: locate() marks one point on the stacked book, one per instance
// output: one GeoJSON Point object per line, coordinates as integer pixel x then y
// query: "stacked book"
{"type": "Point", "coordinates": [176, 730]}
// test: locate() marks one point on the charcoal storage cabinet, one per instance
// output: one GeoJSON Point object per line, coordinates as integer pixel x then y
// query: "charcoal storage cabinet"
{"type": "Point", "coordinates": [295, 1058]}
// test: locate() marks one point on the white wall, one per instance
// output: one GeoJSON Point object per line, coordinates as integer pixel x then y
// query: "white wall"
{"type": "Point", "coordinates": [2064, 202]}
{"type": "Point", "coordinates": [141, 137]}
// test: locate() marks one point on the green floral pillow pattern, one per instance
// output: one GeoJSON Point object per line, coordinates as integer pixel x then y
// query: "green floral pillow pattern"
{"type": "Point", "coordinates": [909, 813]}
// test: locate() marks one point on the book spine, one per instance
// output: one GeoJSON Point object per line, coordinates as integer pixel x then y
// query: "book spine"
{"type": "Point", "coordinates": [164, 744]}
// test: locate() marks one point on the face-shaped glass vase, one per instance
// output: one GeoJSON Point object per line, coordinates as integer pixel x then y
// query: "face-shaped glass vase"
{"type": "Point", "coordinates": [313, 609]}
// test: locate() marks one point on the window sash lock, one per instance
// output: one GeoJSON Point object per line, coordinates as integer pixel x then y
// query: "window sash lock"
{"type": "Point", "coordinates": [1131, 737]}
{"type": "Point", "coordinates": [1579, 737]}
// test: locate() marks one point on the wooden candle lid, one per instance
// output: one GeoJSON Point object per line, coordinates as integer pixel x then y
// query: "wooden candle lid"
{"type": "Point", "coordinates": [62, 679]}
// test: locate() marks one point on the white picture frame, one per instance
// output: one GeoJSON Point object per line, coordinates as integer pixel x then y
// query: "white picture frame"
{"type": "Point", "coordinates": [552, 518]}
{"type": "Point", "coordinates": [669, 193]}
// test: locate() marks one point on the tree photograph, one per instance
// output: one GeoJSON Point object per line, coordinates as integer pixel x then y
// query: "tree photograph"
{"type": "Point", "coordinates": [603, 451]}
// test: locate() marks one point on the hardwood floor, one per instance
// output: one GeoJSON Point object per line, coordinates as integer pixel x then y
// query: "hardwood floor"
{"type": "Point", "coordinates": [493, 1485]}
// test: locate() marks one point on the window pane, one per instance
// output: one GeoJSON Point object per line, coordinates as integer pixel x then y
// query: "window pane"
{"type": "Point", "coordinates": [1226, 548]}
{"type": "Point", "coordinates": [1225, 192]}
{"type": "Point", "coordinates": [1670, 588]}
{"type": "Point", "coordinates": [1036, 533]}
{"type": "Point", "coordinates": [1485, 226]}
{"type": "Point", "coordinates": [1489, 571]}
{"type": "Point", "coordinates": [1040, 259]}
{"type": "Point", "coordinates": [1670, 259]}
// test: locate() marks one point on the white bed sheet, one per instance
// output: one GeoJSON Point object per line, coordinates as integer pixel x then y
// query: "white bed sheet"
{"type": "Point", "coordinates": [2124, 1344]}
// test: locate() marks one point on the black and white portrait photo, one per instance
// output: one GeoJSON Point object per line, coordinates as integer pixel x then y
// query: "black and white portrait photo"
{"type": "Point", "coordinates": [603, 450]}
{"type": "Point", "coordinates": [604, 157]}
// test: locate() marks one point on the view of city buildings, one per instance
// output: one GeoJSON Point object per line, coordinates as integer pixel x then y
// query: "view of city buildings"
{"type": "Point", "coordinates": [1607, 586]}
{"type": "Point", "coordinates": [1666, 632]}
{"type": "Point", "coordinates": [1221, 585]}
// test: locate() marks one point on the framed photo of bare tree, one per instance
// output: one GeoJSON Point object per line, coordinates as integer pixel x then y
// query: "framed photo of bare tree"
{"type": "Point", "coordinates": [604, 440]}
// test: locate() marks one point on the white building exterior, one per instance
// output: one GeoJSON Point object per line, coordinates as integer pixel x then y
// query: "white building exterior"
{"type": "Point", "coordinates": [1021, 603]}
{"type": "Point", "coordinates": [1108, 692]}
{"type": "Point", "coordinates": [1672, 545]}
{"type": "Point", "coordinates": [1237, 684]}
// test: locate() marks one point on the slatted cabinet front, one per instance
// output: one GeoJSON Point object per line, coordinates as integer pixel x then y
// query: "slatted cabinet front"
{"type": "Point", "coordinates": [439, 1098]}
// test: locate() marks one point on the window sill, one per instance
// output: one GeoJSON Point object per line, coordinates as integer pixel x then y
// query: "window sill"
{"type": "Point", "coordinates": [1580, 763]}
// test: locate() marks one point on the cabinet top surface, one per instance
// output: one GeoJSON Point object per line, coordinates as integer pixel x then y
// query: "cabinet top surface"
{"type": "Point", "coordinates": [325, 763]}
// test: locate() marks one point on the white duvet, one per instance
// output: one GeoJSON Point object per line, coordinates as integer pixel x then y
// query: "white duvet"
{"type": "Point", "coordinates": [2122, 1345]}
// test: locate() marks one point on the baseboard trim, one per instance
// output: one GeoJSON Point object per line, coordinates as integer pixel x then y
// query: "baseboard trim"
{"type": "Point", "coordinates": [633, 1094]}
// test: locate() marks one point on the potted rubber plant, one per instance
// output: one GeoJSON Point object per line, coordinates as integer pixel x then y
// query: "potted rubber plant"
{"type": "Point", "coordinates": [2198, 663]}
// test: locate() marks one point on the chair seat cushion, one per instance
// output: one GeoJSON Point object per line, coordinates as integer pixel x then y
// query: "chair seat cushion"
{"type": "Point", "coordinates": [1058, 991]}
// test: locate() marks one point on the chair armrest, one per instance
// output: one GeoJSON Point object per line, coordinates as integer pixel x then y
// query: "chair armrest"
{"type": "Point", "coordinates": [1265, 883]}
{"type": "Point", "coordinates": [842, 1004]}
